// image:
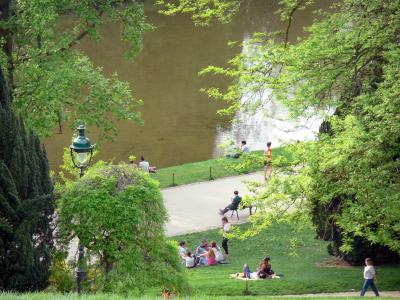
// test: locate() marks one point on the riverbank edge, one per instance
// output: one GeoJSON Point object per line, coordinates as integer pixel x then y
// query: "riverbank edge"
{"type": "Point", "coordinates": [216, 168]}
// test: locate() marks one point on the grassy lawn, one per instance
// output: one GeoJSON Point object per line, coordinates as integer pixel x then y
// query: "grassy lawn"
{"type": "Point", "coordinates": [301, 273]}
{"type": "Point", "coordinates": [200, 171]}
{"type": "Point", "coordinates": [44, 296]}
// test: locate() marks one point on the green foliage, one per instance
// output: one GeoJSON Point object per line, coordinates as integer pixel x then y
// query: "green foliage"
{"type": "Point", "coordinates": [348, 179]}
{"type": "Point", "coordinates": [203, 12]}
{"type": "Point", "coordinates": [26, 204]}
{"type": "Point", "coordinates": [55, 83]}
{"type": "Point", "coordinates": [68, 173]}
{"type": "Point", "coordinates": [62, 278]}
{"type": "Point", "coordinates": [118, 215]}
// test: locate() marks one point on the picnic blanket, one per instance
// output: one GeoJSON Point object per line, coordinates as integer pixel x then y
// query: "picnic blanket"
{"type": "Point", "coordinates": [242, 277]}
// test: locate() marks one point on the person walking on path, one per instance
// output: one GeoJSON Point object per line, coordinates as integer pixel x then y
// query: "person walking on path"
{"type": "Point", "coordinates": [369, 277]}
{"type": "Point", "coordinates": [268, 161]}
{"type": "Point", "coordinates": [233, 205]}
{"type": "Point", "coordinates": [226, 226]}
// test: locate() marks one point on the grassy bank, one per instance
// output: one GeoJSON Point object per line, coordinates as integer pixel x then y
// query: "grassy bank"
{"type": "Point", "coordinates": [306, 272]}
{"type": "Point", "coordinates": [200, 171]}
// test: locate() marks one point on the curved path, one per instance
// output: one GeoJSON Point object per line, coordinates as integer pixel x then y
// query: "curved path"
{"type": "Point", "coordinates": [194, 207]}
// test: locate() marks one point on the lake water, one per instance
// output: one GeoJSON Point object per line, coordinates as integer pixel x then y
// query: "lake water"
{"type": "Point", "coordinates": [180, 123]}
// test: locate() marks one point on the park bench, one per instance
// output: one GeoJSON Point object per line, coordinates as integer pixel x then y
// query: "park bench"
{"type": "Point", "coordinates": [241, 207]}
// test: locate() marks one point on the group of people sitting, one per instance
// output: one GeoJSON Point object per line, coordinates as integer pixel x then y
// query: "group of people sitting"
{"type": "Point", "coordinates": [264, 270]}
{"type": "Point", "coordinates": [144, 164]}
{"type": "Point", "coordinates": [205, 254]}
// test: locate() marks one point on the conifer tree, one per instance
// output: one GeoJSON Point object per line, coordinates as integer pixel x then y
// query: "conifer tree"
{"type": "Point", "coordinates": [26, 203]}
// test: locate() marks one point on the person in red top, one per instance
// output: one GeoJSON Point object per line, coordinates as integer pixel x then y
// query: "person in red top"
{"type": "Point", "coordinates": [268, 161]}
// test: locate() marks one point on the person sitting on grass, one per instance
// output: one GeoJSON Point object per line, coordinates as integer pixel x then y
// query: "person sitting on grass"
{"type": "Point", "coordinates": [265, 269]}
{"type": "Point", "coordinates": [234, 204]}
{"type": "Point", "coordinates": [145, 166]}
{"type": "Point", "coordinates": [219, 257]}
{"type": "Point", "coordinates": [182, 249]}
{"type": "Point", "coordinates": [201, 253]}
{"type": "Point", "coordinates": [132, 161]}
{"type": "Point", "coordinates": [189, 260]}
{"type": "Point", "coordinates": [211, 260]}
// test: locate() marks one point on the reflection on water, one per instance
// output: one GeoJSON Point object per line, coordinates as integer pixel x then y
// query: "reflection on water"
{"type": "Point", "coordinates": [270, 122]}
{"type": "Point", "coordinates": [180, 123]}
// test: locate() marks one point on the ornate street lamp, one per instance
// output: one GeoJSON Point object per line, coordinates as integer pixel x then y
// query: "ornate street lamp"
{"type": "Point", "coordinates": [81, 150]}
{"type": "Point", "coordinates": [81, 155]}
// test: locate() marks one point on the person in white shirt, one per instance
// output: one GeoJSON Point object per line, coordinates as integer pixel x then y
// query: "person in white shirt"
{"type": "Point", "coordinates": [244, 147]}
{"type": "Point", "coordinates": [225, 228]}
{"type": "Point", "coordinates": [145, 166]}
{"type": "Point", "coordinates": [369, 277]}
{"type": "Point", "coordinates": [182, 249]}
{"type": "Point", "coordinates": [217, 251]}
{"type": "Point", "coordinates": [189, 260]}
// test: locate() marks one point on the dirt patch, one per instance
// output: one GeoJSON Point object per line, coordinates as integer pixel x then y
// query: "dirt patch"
{"type": "Point", "coordinates": [333, 262]}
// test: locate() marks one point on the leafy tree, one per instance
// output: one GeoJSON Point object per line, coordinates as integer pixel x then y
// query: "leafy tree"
{"type": "Point", "coordinates": [118, 214]}
{"type": "Point", "coordinates": [51, 80]}
{"type": "Point", "coordinates": [346, 71]}
{"type": "Point", "coordinates": [26, 204]}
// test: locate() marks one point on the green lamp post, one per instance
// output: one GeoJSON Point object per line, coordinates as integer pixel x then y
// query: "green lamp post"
{"type": "Point", "coordinates": [81, 155]}
{"type": "Point", "coordinates": [81, 150]}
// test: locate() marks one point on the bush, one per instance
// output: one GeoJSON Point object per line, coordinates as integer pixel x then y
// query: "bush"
{"type": "Point", "coordinates": [62, 278]}
{"type": "Point", "coordinates": [118, 214]}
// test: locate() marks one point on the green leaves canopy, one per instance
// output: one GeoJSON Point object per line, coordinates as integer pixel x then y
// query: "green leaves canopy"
{"type": "Point", "coordinates": [348, 63]}
{"type": "Point", "coordinates": [53, 82]}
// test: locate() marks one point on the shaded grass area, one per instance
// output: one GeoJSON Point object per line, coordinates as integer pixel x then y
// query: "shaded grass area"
{"type": "Point", "coordinates": [301, 273]}
{"type": "Point", "coordinates": [200, 171]}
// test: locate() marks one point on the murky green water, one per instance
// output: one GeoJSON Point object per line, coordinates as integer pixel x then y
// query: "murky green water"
{"type": "Point", "coordinates": [180, 123]}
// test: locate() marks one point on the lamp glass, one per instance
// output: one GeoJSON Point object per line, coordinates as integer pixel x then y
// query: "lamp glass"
{"type": "Point", "coordinates": [81, 157]}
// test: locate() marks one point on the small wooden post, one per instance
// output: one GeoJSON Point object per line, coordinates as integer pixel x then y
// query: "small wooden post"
{"type": "Point", "coordinates": [211, 175]}
{"type": "Point", "coordinates": [246, 291]}
{"type": "Point", "coordinates": [173, 178]}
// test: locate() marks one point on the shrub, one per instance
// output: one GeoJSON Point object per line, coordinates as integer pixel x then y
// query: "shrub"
{"type": "Point", "coordinates": [118, 214]}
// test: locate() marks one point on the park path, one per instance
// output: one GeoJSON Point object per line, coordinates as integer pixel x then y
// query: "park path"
{"type": "Point", "coordinates": [194, 207]}
{"type": "Point", "coordinates": [389, 294]}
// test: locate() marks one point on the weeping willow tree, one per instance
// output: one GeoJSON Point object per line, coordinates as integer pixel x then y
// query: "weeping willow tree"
{"type": "Point", "coordinates": [345, 70]}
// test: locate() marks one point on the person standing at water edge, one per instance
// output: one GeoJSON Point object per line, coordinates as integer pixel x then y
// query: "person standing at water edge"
{"type": "Point", "coordinates": [226, 227]}
{"type": "Point", "coordinates": [268, 161]}
{"type": "Point", "coordinates": [369, 277]}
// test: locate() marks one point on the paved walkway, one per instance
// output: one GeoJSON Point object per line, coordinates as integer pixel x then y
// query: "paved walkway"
{"type": "Point", "coordinates": [389, 294]}
{"type": "Point", "coordinates": [194, 207]}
